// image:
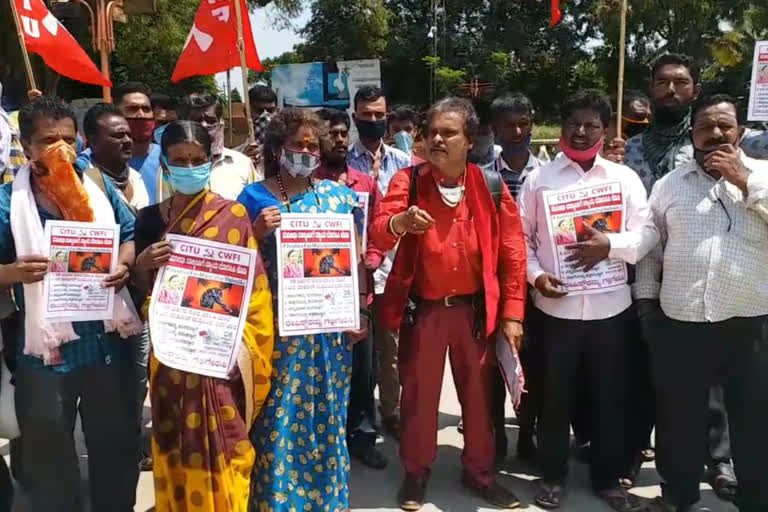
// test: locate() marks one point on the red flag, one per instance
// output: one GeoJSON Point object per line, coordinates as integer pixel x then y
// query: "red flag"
{"type": "Point", "coordinates": [45, 36]}
{"type": "Point", "coordinates": [212, 43]}
{"type": "Point", "coordinates": [557, 14]}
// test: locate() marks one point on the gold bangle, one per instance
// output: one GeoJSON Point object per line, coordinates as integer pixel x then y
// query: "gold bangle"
{"type": "Point", "coordinates": [392, 228]}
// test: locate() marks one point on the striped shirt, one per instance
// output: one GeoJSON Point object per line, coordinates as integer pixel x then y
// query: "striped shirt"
{"type": "Point", "coordinates": [513, 179]}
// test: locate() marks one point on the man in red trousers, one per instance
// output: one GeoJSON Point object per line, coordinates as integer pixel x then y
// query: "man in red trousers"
{"type": "Point", "coordinates": [459, 275]}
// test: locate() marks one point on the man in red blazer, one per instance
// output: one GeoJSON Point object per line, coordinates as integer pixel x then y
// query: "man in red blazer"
{"type": "Point", "coordinates": [459, 275]}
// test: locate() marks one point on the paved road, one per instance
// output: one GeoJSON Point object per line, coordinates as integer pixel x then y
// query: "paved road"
{"type": "Point", "coordinates": [374, 491]}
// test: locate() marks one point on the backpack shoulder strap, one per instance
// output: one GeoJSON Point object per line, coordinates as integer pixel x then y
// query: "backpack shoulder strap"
{"type": "Point", "coordinates": [95, 175]}
{"type": "Point", "coordinates": [494, 182]}
{"type": "Point", "coordinates": [413, 188]}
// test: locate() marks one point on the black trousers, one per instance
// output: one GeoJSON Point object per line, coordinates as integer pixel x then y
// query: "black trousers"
{"type": "Point", "coordinates": [47, 406]}
{"type": "Point", "coordinates": [688, 358]}
{"type": "Point", "coordinates": [531, 358]}
{"type": "Point", "coordinates": [602, 347]}
{"type": "Point", "coordinates": [6, 488]}
{"type": "Point", "coordinates": [361, 415]}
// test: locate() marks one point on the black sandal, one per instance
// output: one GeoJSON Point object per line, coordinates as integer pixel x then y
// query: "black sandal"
{"type": "Point", "coordinates": [621, 501]}
{"type": "Point", "coordinates": [550, 496]}
{"type": "Point", "coordinates": [723, 481]}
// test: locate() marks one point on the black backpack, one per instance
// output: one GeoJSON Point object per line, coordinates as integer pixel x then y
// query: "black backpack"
{"type": "Point", "coordinates": [492, 179]}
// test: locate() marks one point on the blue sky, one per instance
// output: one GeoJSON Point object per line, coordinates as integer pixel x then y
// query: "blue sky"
{"type": "Point", "coordinates": [269, 41]}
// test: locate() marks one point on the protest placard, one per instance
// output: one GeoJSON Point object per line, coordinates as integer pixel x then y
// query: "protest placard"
{"type": "Point", "coordinates": [758, 90]}
{"type": "Point", "coordinates": [317, 280]}
{"type": "Point", "coordinates": [82, 254]}
{"type": "Point", "coordinates": [200, 304]}
{"type": "Point", "coordinates": [570, 215]}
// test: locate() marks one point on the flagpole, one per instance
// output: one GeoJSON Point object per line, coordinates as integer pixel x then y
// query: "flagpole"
{"type": "Point", "coordinates": [229, 101]}
{"type": "Point", "coordinates": [244, 70]}
{"type": "Point", "coordinates": [622, 56]}
{"type": "Point", "coordinates": [20, 34]}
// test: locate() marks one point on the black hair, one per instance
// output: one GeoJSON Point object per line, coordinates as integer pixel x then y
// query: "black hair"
{"type": "Point", "coordinates": [631, 95]}
{"type": "Point", "coordinates": [367, 94]}
{"type": "Point", "coordinates": [200, 101]}
{"type": "Point", "coordinates": [334, 116]}
{"type": "Point", "coordinates": [674, 59]}
{"type": "Point", "coordinates": [514, 102]}
{"type": "Point", "coordinates": [460, 106]}
{"type": "Point", "coordinates": [130, 88]}
{"type": "Point", "coordinates": [483, 110]}
{"type": "Point", "coordinates": [404, 113]}
{"type": "Point", "coordinates": [44, 107]}
{"type": "Point", "coordinates": [163, 101]}
{"type": "Point", "coordinates": [94, 115]}
{"type": "Point", "coordinates": [261, 93]}
{"type": "Point", "coordinates": [185, 131]}
{"type": "Point", "coordinates": [282, 125]}
{"type": "Point", "coordinates": [587, 99]}
{"type": "Point", "coordinates": [715, 99]}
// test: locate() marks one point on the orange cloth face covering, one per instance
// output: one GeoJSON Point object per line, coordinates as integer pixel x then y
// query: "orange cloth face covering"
{"type": "Point", "coordinates": [62, 185]}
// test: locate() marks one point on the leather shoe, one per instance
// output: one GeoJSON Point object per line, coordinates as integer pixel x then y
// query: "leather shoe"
{"type": "Point", "coordinates": [370, 456]}
{"type": "Point", "coordinates": [411, 493]}
{"type": "Point", "coordinates": [496, 495]}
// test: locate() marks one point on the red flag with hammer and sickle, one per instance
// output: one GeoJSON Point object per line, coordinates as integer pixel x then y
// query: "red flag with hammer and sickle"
{"type": "Point", "coordinates": [212, 43]}
{"type": "Point", "coordinates": [47, 37]}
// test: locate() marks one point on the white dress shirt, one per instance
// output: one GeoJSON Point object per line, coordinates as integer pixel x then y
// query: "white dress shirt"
{"type": "Point", "coordinates": [714, 246]}
{"type": "Point", "coordinates": [637, 239]}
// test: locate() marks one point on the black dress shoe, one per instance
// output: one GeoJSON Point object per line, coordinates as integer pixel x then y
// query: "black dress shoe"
{"type": "Point", "coordinates": [496, 495]}
{"type": "Point", "coordinates": [411, 493]}
{"type": "Point", "coordinates": [370, 456]}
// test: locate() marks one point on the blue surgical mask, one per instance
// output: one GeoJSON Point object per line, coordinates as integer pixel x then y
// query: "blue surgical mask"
{"type": "Point", "coordinates": [187, 180]}
{"type": "Point", "coordinates": [403, 141]}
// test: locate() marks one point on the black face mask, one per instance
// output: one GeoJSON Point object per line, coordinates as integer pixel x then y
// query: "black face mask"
{"type": "Point", "coordinates": [633, 129]}
{"type": "Point", "coordinates": [371, 130]}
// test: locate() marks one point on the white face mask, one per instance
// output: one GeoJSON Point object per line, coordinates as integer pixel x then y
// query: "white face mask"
{"type": "Point", "coordinates": [451, 196]}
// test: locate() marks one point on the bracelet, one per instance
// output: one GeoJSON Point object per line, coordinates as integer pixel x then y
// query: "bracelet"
{"type": "Point", "coordinates": [367, 314]}
{"type": "Point", "coordinates": [392, 228]}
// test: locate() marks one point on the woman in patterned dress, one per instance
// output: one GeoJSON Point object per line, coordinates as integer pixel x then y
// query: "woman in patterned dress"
{"type": "Point", "coordinates": [302, 462]}
{"type": "Point", "coordinates": [203, 457]}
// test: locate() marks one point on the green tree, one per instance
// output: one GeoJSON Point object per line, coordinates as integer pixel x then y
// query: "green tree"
{"type": "Point", "coordinates": [148, 47]}
{"type": "Point", "coordinates": [340, 29]}
{"type": "Point", "coordinates": [235, 95]}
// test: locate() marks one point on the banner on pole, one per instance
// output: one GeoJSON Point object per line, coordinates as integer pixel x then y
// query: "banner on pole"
{"type": "Point", "coordinates": [211, 45]}
{"type": "Point", "coordinates": [47, 37]}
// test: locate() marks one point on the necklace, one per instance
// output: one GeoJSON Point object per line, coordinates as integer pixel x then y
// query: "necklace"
{"type": "Point", "coordinates": [284, 192]}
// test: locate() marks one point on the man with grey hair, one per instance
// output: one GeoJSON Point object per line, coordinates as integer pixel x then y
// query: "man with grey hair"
{"type": "Point", "coordinates": [458, 277]}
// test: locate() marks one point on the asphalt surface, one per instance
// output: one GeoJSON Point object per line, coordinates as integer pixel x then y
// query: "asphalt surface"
{"type": "Point", "coordinates": [375, 491]}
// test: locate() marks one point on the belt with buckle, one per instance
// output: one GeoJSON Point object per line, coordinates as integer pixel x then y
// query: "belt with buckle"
{"type": "Point", "coordinates": [448, 301]}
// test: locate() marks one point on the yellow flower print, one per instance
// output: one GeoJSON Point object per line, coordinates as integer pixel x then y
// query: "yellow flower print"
{"type": "Point", "coordinates": [320, 428]}
{"type": "Point", "coordinates": [321, 407]}
{"type": "Point", "coordinates": [273, 436]}
{"type": "Point", "coordinates": [280, 411]}
{"type": "Point", "coordinates": [295, 428]}
{"type": "Point", "coordinates": [307, 477]}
